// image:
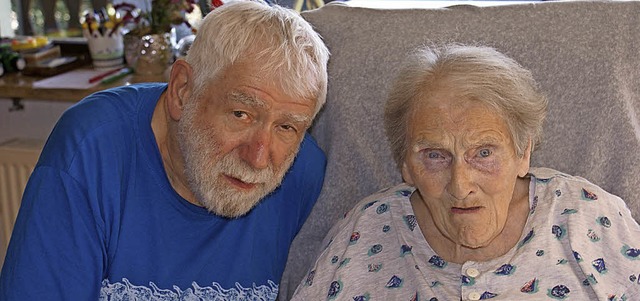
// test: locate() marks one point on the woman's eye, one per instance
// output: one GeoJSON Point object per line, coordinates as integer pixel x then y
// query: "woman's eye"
{"type": "Point", "coordinates": [434, 155]}
{"type": "Point", "coordinates": [484, 153]}
{"type": "Point", "coordinates": [435, 159]}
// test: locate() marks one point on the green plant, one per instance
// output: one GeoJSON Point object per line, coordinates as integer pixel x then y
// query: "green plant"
{"type": "Point", "coordinates": [163, 15]}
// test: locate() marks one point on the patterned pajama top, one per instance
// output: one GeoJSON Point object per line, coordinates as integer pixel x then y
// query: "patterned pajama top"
{"type": "Point", "coordinates": [579, 243]}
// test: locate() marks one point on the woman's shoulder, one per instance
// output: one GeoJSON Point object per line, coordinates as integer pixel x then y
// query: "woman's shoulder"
{"type": "Point", "coordinates": [575, 200]}
{"type": "Point", "coordinates": [377, 209]}
{"type": "Point", "coordinates": [366, 230]}
{"type": "Point", "coordinates": [396, 193]}
{"type": "Point", "coordinates": [544, 174]}
{"type": "Point", "coordinates": [594, 225]}
{"type": "Point", "coordinates": [389, 199]}
{"type": "Point", "coordinates": [556, 182]}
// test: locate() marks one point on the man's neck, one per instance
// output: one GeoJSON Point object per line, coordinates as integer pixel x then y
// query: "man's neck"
{"type": "Point", "coordinates": [172, 159]}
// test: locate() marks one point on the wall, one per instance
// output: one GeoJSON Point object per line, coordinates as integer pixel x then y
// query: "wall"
{"type": "Point", "coordinates": [34, 121]}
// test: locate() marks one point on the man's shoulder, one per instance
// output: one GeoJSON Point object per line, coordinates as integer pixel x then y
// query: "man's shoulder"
{"type": "Point", "coordinates": [309, 147]}
{"type": "Point", "coordinates": [310, 160]}
{"type": "Point", "coordinates": [101, 121]}
{"type": "Point", "coordinates": [103, 104]}
{"type": "Point", "coordinates": [302, 184]}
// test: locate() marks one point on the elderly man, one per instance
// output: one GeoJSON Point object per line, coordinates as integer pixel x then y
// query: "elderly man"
{"type": "Point", "coordinates": [191, 190]}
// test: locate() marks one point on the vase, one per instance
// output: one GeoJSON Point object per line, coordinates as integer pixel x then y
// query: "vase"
{"type": "Point", "coordinates": [152, 55]}
{"type": "Point", "coordinates": [106, 49]}
{"type": "Point", "coordinates": [131, 49]}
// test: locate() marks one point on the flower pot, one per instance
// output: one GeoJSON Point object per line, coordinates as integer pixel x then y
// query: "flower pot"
{"type": "Point", "coordinates": [150, 55]}
{"type": "Point", "coordinates": [106, 49]}
{"type": "Point", "coordinates": [132, 45]}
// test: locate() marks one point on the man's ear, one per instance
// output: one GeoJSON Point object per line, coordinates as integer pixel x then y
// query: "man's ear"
{"type": "Point", "coordinates": [180, 88]}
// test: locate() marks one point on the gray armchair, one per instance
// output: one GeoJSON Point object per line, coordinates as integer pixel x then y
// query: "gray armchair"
{"type": "Point", "coordinates": [585, 55]}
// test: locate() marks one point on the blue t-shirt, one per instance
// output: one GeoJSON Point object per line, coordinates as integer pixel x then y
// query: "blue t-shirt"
{"type": "Point", "coordinates": [100, 221]}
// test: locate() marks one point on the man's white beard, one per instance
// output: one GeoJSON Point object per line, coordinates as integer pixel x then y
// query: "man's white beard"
{"type": "Point", "coordinates": [205, 170]}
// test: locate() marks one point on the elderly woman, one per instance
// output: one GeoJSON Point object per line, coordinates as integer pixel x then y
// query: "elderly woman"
{"type": "Point", "coordinates": [472, 221]}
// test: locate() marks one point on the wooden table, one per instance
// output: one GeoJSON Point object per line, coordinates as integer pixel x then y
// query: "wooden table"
{"type": "Point", "coordinates": [16, 86]}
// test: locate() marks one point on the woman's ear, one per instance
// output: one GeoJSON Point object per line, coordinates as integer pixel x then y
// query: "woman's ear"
{"type": "Point", "coordinates": [406, 175]}
{"type": "Point", "coordinates": [179, 90]}
{"type": "Point", "coordinates": [525, 161]}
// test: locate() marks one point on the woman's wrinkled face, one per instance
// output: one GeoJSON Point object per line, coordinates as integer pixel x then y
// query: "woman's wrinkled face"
{"type": "Point", "coordinates": [462, 160]}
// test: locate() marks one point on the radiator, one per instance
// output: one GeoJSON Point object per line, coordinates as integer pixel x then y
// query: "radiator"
{"type": "Point", "coordinates": [17, 158]}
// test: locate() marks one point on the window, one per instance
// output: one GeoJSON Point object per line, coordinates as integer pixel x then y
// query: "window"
{"type": "Point", "coordinates": [40, 17]}
{"type": "Point", "coordinates": [60, 18]}
{"type": "Point", "coordinates": [54, 18]}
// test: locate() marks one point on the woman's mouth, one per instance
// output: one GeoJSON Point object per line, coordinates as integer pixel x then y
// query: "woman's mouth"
{"type": "Point", "coordinates": [465, 210]}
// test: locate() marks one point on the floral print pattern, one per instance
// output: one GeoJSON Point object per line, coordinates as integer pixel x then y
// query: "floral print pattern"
{"type": "Point", "coordinates": [579, 243]}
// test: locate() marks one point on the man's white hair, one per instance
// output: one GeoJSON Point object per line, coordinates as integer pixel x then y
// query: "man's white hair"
{"type": "Point", "coordinates": [277, 39]}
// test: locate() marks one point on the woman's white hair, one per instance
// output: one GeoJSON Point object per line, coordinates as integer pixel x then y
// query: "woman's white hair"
{"type": "Point", "coordinates": [277, 39]}
{"type": "Point", "coordinates": [477, 73]}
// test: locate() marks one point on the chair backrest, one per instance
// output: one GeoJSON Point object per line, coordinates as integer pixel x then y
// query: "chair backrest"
{"type": "Point", "coordinates": [585, 55]}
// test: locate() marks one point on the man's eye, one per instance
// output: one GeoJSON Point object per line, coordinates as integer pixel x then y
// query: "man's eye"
{"type": "Point", "coordinates": [484, 153]}
{"type": "Point", "coordinates": [287, 127]}
{"type": "Point", "coordinates": [240, 114]}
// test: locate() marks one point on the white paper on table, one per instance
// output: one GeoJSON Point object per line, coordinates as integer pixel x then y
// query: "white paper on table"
{"type": "Point", "coordinates": [74, 79]}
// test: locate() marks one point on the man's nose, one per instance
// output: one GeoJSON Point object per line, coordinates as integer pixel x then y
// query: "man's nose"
{"type": "Point", "coordinates": [461, 184]}
{"type": "Point", "coordinates": [257, 149]}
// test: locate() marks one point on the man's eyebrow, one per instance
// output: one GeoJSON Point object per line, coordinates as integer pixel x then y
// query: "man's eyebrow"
{"type": "Point", "coordinates": [253, 101]}
{"type": "Point", "coordinates": [298, 118]}
{"type": "Point", "coordinates": [247, 99]}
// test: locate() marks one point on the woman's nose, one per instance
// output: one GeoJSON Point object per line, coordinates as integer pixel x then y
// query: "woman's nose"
{"type": "Point", "coordinates": [460, 184]}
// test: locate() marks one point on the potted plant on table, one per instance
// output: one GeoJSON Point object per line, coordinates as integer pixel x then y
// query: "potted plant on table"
{"type": "Point", "coordinates": [147, 42]}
